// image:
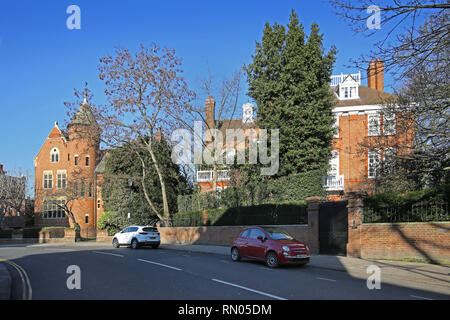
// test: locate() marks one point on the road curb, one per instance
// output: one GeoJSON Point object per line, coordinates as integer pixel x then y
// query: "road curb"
{"type": "Point", "coordinates": [5, 282]}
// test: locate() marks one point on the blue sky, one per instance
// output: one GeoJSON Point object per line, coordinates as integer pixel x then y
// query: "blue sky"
{"type": "Point", "coordinates": [41, 61]}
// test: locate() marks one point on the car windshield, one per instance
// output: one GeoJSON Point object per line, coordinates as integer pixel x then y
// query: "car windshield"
{"type": "Point", "coordinates": [150, 229]}
{"type": "Point", "coordinates": [278, 234]}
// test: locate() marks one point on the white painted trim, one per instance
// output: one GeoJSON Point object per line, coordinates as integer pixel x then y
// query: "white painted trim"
{"type": "Point", "coordinates": [364, 108]}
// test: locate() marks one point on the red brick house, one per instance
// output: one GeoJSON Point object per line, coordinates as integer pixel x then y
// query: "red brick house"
{"type": "Point", "coordinates": [204, 176]}
{"type": "Point", "coordinates": [68, 169]}
{"type": "Point", "coordinates": [360, 121]}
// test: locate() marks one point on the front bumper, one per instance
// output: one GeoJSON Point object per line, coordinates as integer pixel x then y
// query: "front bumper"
{"type": "Point", "coordinates": [293, 259]}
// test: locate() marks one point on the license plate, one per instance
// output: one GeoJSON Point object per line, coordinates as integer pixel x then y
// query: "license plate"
{"type": "Point", "coordinates": [302, 256]}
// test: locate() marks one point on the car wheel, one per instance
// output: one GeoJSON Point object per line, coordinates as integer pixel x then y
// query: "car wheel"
{"type": "Point", "coordinates": [134, 244]}
{"type": "Point", "coordinates": [272, 260]}
{"type": "Point", "coordinates": [116, 243]}
{"type": "Point", "coordinates": [155, 246]}
{"type": "Point", "coordinates": [235, 256]}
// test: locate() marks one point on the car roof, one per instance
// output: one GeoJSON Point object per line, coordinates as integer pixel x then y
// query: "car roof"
{"type": "Point", "coordinates": [141, 226]}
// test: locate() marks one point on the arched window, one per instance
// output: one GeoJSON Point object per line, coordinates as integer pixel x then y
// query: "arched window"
{"type": "Point", "coordinates": [54, 155]}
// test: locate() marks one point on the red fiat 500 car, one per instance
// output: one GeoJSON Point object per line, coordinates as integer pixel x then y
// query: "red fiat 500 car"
{"type": "Point", "coordinates": [270, 244]}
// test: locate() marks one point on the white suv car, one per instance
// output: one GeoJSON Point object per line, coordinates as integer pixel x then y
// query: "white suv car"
{"type": "Point", "coordinates": [136, 236]}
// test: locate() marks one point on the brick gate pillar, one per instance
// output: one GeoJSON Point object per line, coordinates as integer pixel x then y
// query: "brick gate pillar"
{"type": "Point", "coordinates": [355, 219]}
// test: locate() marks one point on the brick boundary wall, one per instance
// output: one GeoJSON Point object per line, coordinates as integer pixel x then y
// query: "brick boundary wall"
{"type": "Point", "coordinates": [225, 235]}
{"type": "Point", "coordinates": [395, 241]}
{"type": "Point", "coordinates": [50, 236]}
{"type": "Point", "coordinates": [415, 240]}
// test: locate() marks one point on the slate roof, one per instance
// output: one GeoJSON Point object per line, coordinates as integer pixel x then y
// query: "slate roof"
{"type": "Point", "coordinates": [367, 96]}
{"type": "Point", "coordinates": [84, 116]}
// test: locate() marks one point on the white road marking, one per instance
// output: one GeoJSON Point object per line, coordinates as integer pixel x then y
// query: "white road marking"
{"type": "Point", "coordinates": [109, 254]}
{"type": "Point", "coordinates": [26, 284]}
{"type": "Point", "coordinates": [419, 297]}
{"type": "Point", "coordinates": [248, 289]}
{"type": "Point", "coordinates": [326, 279]}
{"type": "Point", "coordinates": [160, 264]}
{"type": "Point", "coordinates": [224, 261]}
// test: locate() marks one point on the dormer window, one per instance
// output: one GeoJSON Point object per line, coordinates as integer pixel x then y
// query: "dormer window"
{"type": "Point", "coordinates": [54, 155]}
{"type": "Point", "coordinates": [348, 88]}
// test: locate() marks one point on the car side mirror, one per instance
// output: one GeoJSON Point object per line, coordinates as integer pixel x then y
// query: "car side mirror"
{"type": "Point", "coordinates": [261, 238]}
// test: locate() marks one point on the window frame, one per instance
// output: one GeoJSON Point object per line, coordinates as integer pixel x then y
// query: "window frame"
{"type": "Point", "coordinates": [370, 153]}
{"type": "Point", "coordinates": [54, 155]}
{"type": "Point", "coordinates": [371, 132]}
{"type": "Point", "coordinates": [47, 183]}
{"type": "Point", "coordinates": [389, 118]}
{"type": "Point", "coordinates": [61, 179]}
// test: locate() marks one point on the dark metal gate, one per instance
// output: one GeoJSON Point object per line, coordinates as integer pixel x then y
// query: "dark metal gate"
{"type": "Point", "coordinates": [333, 227]}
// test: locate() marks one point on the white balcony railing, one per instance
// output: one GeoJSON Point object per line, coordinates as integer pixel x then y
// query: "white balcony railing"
{"type": "Point", "coordinates": [336, 80]}
{"type": "Point", "coordinates": [333, 183]}
{"type": "Point", "coordinates": [207, 176]}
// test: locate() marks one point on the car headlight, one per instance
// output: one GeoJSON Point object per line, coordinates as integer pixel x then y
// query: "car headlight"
{"type": "Point", "coordinates": [285, 248]}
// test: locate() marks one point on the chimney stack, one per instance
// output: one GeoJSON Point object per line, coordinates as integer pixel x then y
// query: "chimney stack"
{"type": "Point", "coordinates": [375, 78]}
{"type": "Point", "coordinates": [210, 105]}
{"type": "Point", "coordinates": [158, 135]}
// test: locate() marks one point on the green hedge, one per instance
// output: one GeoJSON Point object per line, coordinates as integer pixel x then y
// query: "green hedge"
{"type": "Point", "coordinates": [413, 206]}
{"type": "Point", "coordinates": [290, 188]}
{"type": "Point", "coordinates": [265, 214]}
{"type": "Point", "coordinates": [387, 199]}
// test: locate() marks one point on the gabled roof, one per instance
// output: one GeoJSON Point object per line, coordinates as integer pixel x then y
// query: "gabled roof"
{"type": "Point", "coordinates": [56, 132]}
{"type": "Point", "coordinates": [349, 77]}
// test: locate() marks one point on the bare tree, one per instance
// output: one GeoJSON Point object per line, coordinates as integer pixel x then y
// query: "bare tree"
{"type": "Point", "coordinates": [62, 197]}
{"type": "Point", "coordinates": [227, 94]}
{"type": "Point", "coordinates": [413, 31]}
{"type": "Point", "coordinates": [13, 192]}
{"type": "Point", "coordinates": [145, 91]}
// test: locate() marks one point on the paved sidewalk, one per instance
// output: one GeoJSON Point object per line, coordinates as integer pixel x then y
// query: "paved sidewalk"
{"type": "Point", "coordinates": [391, 271]}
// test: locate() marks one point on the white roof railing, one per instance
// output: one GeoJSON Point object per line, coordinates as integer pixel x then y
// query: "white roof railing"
{"type": "Point", "coordinates": [338, 79]}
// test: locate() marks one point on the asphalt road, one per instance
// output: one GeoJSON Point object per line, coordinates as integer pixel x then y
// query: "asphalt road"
{"type": "Point", "coordinates": [108, 273]}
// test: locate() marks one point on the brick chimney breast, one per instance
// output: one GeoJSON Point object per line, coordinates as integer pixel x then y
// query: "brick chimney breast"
{"type": "Point", "coordinates": [210, 105]}
{"type": "Point", "coordinates": [158, 135]}
{"type": "Point", "coordinates": [371, 80]}
{"type": "Point", "coordinates": [379, 75]}
{"type": "Point", "coordinates": [375, 77]}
